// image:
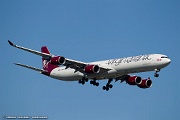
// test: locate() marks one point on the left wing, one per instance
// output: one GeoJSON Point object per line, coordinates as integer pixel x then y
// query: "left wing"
{"type": "Point", "coordinates": [79, 66]}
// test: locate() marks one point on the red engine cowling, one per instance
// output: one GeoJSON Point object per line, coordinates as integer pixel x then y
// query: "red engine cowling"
{"type": "Point", "coordinates": [92, 69]}
{"type": "Point", "coordinates": [58, 60]}
{"type": "Point", "coordinates": [134, 80]}
{"type": "Point", "coordinates": [146, 83]}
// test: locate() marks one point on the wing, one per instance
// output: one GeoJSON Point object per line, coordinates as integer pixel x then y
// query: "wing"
{"type": "Point", "coordinates": [122, 78]}
{"type": "Point", "coordinates": [45, 55]}
{"type": "Point", "coordinates": [77, 65]}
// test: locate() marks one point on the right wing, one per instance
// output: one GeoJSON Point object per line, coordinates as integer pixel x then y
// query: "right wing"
{"type": "Point", "coordinates": [45, 55]}
{"type": "Point", "coordinates": [77, 65]}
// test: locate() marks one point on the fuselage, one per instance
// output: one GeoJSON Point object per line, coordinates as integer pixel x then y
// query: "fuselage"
{"type": "Point", "coordinates": [118, 67]}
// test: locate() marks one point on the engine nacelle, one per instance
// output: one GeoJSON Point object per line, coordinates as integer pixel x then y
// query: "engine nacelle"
{"type": "Point", "coordinates": [146, 83]}
{"type": "Point", "coordinates": [58, 60]}
{"type": "Point", "coordinates": [134, 80]}
{"type": "Point", "coordinates": [92, 69]}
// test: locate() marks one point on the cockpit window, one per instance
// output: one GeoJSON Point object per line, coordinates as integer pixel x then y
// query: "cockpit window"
{"type": "Point", "coordinates": [164, 57]}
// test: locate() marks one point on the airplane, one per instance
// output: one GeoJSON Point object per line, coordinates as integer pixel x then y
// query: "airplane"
{"type": "Point", "coordinates": [119, 69]}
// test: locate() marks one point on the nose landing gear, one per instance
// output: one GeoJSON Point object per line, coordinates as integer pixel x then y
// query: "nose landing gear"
{"type": "Point", "coordinates": [156, 73]}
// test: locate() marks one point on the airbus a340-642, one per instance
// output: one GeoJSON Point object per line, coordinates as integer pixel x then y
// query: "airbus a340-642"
{"type": "Point", "coordinates": [65, 69]}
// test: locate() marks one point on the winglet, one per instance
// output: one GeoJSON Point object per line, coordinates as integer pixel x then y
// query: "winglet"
{"type": "Point", "coordinates": [10, 43]}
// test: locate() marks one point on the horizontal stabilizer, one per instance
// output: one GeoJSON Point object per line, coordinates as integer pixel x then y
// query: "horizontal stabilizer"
{"type": "Point", "coordinates": [30, 67]}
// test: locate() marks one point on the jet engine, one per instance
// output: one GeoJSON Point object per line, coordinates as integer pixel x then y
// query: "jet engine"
{"type": "Point", "coordinates": [92, 69]}
{"type": "Point", "coordinates": [58, 60]}
{"type": "Point", "coordinates": [134, 80]}
{"type": "Point", "coordinates": [146, 83]}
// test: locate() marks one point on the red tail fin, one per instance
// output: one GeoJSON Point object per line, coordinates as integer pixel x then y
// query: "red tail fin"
{"type": "Point", "coordinates": [44, 49]}
{"type": "Point", "coordinates": [46, 64]}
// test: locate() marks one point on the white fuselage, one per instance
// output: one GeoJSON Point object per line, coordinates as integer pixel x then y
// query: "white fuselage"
{"type": "Point", "coordinates": [118, 67]}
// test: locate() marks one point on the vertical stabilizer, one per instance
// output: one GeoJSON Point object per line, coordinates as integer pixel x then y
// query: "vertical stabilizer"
{"type": "Point", "coordinates": [46, 63]}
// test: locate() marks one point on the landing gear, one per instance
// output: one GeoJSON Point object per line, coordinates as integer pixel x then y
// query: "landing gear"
{"type": "Point", "coordinates": [93, 82]}
{"type": "Point", "coordinates": [156, 73]}
{"type": "Point", "coordinates": [105, 88]}
{"type": "Point", "coordinates": [83, 80]}
{"type": "Point", "coordinates": [108, 85]}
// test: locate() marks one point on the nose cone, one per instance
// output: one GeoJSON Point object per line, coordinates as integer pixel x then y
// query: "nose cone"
{"type": "Point", "coordinates": [168, 61]}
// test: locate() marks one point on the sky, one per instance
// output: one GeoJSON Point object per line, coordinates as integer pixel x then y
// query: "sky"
{"type": "Point", "coordinates": [89, 30]}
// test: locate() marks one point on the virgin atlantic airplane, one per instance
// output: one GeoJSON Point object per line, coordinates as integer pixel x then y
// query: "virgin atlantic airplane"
{"type": "Point", "coordinates": [65, 69]}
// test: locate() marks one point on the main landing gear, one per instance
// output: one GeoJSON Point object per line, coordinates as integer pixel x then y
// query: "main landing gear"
{"type": "Point", "coordinates": [93, 82]}
{"type": "Point", "coordinates": [108, 85]}
{"type": "Point", "coordinates": [83, 80]}
{"type": "Point", "coordinates": [156, 73]}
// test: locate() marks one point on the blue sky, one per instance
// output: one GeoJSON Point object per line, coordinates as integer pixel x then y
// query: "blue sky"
{"type": "Point", "coordinates": [89, 30]}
